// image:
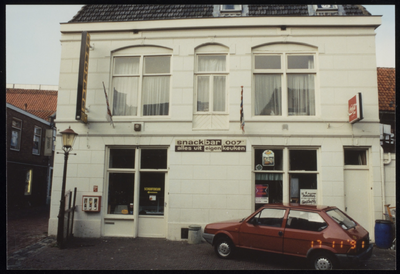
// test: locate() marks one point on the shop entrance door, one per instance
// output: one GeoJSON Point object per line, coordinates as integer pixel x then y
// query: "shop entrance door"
{"type": "Point", "coordinates": [151, 205]}
{"type": "Point", "coordinates": [357, 200]}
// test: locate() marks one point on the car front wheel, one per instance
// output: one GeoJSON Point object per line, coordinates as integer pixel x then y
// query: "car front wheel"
{"type": "Point", "coordinates": [323, 261]}
{"type": "Point", "coordinates": [224, 248]}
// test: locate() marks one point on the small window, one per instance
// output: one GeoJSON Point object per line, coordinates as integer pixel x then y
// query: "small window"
{"type": "Point", "coordinates": [16, 134]}
{"type": "Point", "coordinates": [270, 217]}
{"type": "Point", "coordinates": [231, 7]}
{"type": "Point", "coordinates": [37, 137]}
{"type": "Point", "coordinates": [300, 61]}
{"type": "Point", "coordinates": [267, 62]}
{"type": "Point", "coordinates": [268, 159]}
{"type": "Point", "coordinates": [303, 220]}
{"type": "Point", "coordinates": [357, 157]}
{"type": "Point", "coordinates": [153, 159]}
{"type": "Point", "coordinates": [122, 158]}
{"type": "Point", "coordinates": [303, 160]}
{"type": "Point", "coordinates": [326, 7]}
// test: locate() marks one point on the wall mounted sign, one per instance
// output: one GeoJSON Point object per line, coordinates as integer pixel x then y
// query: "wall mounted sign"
{"type": "Point", "coordinates": [82, 78]}
{"type": "Point", "coordinates": [355, 109]}
{"type": "Point", "coordinates": [308, 196]}
{"type": "Point", "coordinates": [268, 158]}
{"type": "Point", "coordinates": [262, 194]}
{"type": "Point", "coordinates": [210, 145]}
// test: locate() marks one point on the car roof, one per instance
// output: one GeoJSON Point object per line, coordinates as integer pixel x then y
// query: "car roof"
{"type": "Point", "coordinates": [299, 206]}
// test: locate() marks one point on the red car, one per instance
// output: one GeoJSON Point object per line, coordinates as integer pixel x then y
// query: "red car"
{"type": "Point", "coordinates": [323, 234]}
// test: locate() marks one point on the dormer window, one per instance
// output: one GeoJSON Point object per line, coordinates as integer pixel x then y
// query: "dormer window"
{"type": "Point", "coordinates": [231, 8]}
{"type": "Point", "coordinates": [326, 7]}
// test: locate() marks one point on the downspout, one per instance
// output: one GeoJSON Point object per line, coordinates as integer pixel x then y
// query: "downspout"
{"type": "Point", "coordinates": [383, 163]}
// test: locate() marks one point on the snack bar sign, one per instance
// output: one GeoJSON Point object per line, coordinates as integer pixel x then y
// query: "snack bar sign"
{"type": "Point", "coordinates": [210, 145]}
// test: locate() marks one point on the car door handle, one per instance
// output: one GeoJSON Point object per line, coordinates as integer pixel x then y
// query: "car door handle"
{"type": "Point", "coordinates": [280, 233]}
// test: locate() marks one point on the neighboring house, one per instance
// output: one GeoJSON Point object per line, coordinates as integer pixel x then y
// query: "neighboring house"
{"type": "Point", "coordinates": [387, 107]}
{"type": "Point", "coordinates": [387, 117]}
{"type": "Point", "coordinates": [30, 137]}
{"type": "Point", "coordinates": [176, 153]}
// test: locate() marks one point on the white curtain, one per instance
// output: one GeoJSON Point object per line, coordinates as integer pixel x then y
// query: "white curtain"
{"type": "Point", "coordinates": [125, 96]}
{"type": "Point", "coordinates": [268, 95]}
{"type": "Point", "coordinates": [211, 63]}
{"type": "Point", "coordinates": [219, 93]}
{"type": "Point", "coordinates": [155, 95]}
{"type": "Point", "coordinates": [301, 94]}
{"type": "Point", "coordinates": [125, 89]}
{"type": "Point", "coordinates": [203, 93]}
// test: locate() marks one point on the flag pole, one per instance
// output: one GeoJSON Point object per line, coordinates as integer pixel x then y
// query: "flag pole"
{"type": "Point", "coordinates": [241, 111]}
{"type": "Point", "coordinates": [109, 115]}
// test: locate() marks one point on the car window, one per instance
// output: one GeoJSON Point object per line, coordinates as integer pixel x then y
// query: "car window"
{"type": "Point", "coordinates": [341, 219]}
{"type": "Point", "coordinates": [304, 220]}
{"type": "Point", "coordinates": [269, 217]}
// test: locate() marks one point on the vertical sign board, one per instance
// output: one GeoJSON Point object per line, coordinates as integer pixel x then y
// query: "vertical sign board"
{"type": "Point", "coordinates": [355, 109]}
{"type": "Point", "coordinates": [82, 78]}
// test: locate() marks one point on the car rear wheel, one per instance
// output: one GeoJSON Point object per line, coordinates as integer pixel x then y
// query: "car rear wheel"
{"type": "Point", "coordinates": [224, 247]}
{"type": "Point", "coordinates": [323, 261]}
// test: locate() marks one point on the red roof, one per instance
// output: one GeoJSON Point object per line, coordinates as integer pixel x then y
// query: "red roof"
{"type": "Point", "coordinates": [387, 89]}
{"type": "Point", "coordinates": [41, 103]}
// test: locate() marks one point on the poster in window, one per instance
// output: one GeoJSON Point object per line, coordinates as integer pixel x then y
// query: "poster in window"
{"type": "Point", "coordinates": [268, 158]}
{"type": "Point", "coordinates": [262, 194]}
{"type": "Point", "coordinates": [308, 196]}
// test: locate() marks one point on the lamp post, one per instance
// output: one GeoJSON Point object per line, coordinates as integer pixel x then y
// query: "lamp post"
{"type": "Point", "coordinates": [68, 137]}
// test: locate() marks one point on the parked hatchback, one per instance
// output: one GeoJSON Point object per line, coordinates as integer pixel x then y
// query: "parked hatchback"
{"type": "Point", "coordinates": [324, 235]}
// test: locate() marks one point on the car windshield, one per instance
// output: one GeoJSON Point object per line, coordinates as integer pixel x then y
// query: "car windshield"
{"type": "Point", "coordinates": [341, 219]}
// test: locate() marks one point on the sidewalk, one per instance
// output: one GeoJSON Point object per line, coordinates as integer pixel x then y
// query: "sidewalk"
{"type": "Point", "coordinates": [160, 254]}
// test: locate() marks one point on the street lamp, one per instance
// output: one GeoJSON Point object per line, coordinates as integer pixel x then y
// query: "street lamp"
{"type": "Point", "coordinates": [68, 137]}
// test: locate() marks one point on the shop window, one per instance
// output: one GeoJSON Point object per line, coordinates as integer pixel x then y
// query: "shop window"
{"type": "Point", "coordinates": [272, 96]}
{"type": "Point", "coordinates": [152, 191]}
{"type": "Point", "coordinates": [143, 79]}
{"type": "Point", "coordinates": [268, 159]}
{"type": "Point", "coordinates": [16, 125]}
{"type": "Point", "coordinates": [270, 217]}
{"type": "Point", "coordinates": [37, 137]}
{"type": "Point", "coordinates": [153, 159]}
{"type": "Point", "coordinates": [120, 193]}
{"type": "Point", "coordinates": [122, 158]}
{"type": "Point", "coordinates": [301, 183]}
{"type": "Point", "coordinates": [303, 160]}
{"type": "Point", "coordinates": [304, 220]}
{"type": "Point", "coordinates": [28, 182]}
{"type": "Point", "coordinates": [268, 188]}
{"type": "Point", "coordinates": [356, 157]}
{"type": "Point", "coordinates": [123, 175]}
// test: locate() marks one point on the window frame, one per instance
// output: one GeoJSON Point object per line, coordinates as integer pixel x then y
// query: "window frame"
{"type": "Point", "coordinates": [236, 8]}
{"type": "Point", "coordinates": [19, 131]}
{"type": "Point", "coordinates": [284, 71]}
{"type": "Point", "coordinates": [357, 166]}
{"type": "Point", "coordinates": [140, 75]}
{"type": "Point", "coordinates": [286, 171]}
{"type": "Point", "coordinates": [211, 75]}
{"type": "Point", "coordinates": [39, 141]}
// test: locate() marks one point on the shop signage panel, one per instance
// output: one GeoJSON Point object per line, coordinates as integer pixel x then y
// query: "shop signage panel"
{"type": "Point", "coordinates": [83, 78]}
{"type": "Point", "coordinates": [308, 196]}
{"type": "Point", "coordinates": [355, 109]}
{"type": "Point", "coordinates": [210, 145]}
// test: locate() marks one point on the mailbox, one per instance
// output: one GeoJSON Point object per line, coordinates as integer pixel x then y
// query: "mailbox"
{"type": "Point", "coordinates": [91, 203]}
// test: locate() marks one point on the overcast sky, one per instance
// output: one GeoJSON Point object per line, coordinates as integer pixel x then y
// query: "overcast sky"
{"type": "Point", "coordinates": [33, 48]}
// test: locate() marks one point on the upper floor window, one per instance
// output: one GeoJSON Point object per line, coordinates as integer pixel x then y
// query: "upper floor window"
{"type": "Point", "coordinates": [16, 125]}
{"type": "Point", "coordinates": [211, 75]}
{"type": "Point", "coordinates": [141, 85]}
{"type": "Point", "coordinates": [37, 137]}
{"type": "Point", "coordinates": [356, 157]}
{"type": "Point", "coordinates": [231, 7]}
{"type": "Point", "coordinates": [284, 84]}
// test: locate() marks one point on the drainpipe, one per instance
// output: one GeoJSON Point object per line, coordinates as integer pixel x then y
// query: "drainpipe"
{"type": "Point", "coordinates": [383, 163]}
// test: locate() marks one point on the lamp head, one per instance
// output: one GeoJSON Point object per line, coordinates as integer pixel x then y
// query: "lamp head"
{"type": "Point", "coordinates": [68, 137]}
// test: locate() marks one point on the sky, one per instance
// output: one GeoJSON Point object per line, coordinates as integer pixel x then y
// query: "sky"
{"type": "Point", "coordinates": [33, 47]}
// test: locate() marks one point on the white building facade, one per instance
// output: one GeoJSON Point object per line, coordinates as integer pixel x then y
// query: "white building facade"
{"type": "Point", "coordinates": [177, 155]}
